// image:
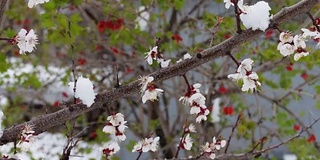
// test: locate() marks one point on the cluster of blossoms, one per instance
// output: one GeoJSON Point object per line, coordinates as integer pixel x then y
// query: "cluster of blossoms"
{"type": "Point", "coordinates": [244, 73]}
{"type": "Point", "coordinates": [116, 126]}
{"type": "Point", "coordinates": [292, 44]}
{"type": "Point", "coordinates": [32, 3]}
{"type": "Point", "coordinates": [255, 16]}
{"type": "Point", "coordinates": [27, 138]}
{"type": "Point", "coordinates": [209, 149]}
{"type": "Point", "coordinates": [194, 99]}
{"type": "Point", "coordinates": [26, 41]}
{"type": "Point", "coordinates": [149, 90]}
{"type": "Point", "coordinates": [154, 54]}
{"type": "Point", "coordinates": [186, 141]}
{"type": "Point", "coordinates": [146, 145]}
{"type": "Point", "coordinates": [312, 32]}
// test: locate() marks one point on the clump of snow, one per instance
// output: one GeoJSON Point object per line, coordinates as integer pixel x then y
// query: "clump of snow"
{"type": "Point", "coordinates": [256, 16]}
{"type": "Point", "coordinates": [84, 90]}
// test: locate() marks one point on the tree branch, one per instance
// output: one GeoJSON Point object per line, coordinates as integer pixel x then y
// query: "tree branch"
{"type": "Point", "coordinates": [45, 122]}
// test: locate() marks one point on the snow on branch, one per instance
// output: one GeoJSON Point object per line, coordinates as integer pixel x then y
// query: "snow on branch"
{"type": "Point", "coordinates": [45, 122]}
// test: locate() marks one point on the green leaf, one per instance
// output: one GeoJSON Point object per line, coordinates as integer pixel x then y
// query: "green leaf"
{"type": "Point", "coordinates": [178, 4]}
{"type": "Point", "coordinates": [3, 63]}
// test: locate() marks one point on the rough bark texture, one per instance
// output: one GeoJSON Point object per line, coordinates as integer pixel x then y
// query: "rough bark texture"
{"type": "Point", "coordinates": [45, 122]}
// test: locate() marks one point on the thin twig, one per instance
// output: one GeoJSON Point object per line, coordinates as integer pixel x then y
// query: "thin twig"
{"type": "Point", "coordinates": [232, 131]}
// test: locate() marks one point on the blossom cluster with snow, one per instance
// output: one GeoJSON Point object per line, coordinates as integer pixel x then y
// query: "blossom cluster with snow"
{"type": "Point", "coordinates": [255, 16]}
{"type": "Point", "coordinates": [244, 73]}
{"type": "Point", "coordinates": [149, 90]}
{"type": "Point", "coordinates": [196, 101]}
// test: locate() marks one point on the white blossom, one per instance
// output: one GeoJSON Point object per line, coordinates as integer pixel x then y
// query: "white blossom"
{"type": "Point", "coordinates": [152, 55]}
{"type": "Point", "coordinates": [256, 16]}
{"type": "Point", "coordinates": [32, 3]}
{"type": "Point", "coordinates": [230, 3]}
{"type": "Point", "coordinates": [297, 56]}
{"type": "Point", "coordinates": [111, 148]}
{"type": "Point", "coordinates": [190, 128]}
{"type": "Point", "coordinates": [151, 94]}
{"type": "Point", "coordinates": [250, 82]}
{"type": "Point", "coordinates": [116, 119]}
{"type": "Point", "coordinates": [286, 49]}
{"type": "Point", "coordinates": [285, 37]}
{"type": "Point", "coordinates": [149, 90]}
{"type": "Point", "coordinates": [84, 90]}
{"type": "Point", "coordinates": [187, 142]}
{"type": "Point", "coordinates": [308, 33]}
{"type": "Point", "coordinates": [299, 42]}
{"type": "Point", "coordinates": [26, 41]}
{"type": "Point", "coordinates": [116, 126]}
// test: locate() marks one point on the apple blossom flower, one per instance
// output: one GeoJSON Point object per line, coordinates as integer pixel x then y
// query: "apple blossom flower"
{"type": "Point", "coordinates": [256, 16]}
{"type": "Point", "coordinates": [186, 142]}
{"type": "Point", "coordinates": [307, 33]}
{"type": "Point", "coordinates": [152, 55]}
{"type": "Point", "coordinates": [26, 41]}
{"type": "Point", "coordinates": [190, 128]}
{"type": "Point", "coordinates": [32, 3]}
{"type": "Point", "coordinates": [298, 55]}
{"type": "Point", "coordinates": [146, 145]}
{"type": "Point", "coordinates": [116, 119]}
{"type": "Point", "coordinates": [111, 149]}
{"type": "Point", "coordinates": [250, 82]}
{"type": "Point", "coordinates": [286, 49]}
{"type": "Point", "coordinates": [149, 90]}
{"type": "Point", "coordinates": [116, 126]}
{"type": "Point", "coordinates": [285, 37]}
{"type": "Point", "coordinates": [299, 41]}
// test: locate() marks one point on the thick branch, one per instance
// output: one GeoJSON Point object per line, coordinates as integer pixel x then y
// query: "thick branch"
{"type": "Point", "coordinates": [45, 122]}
